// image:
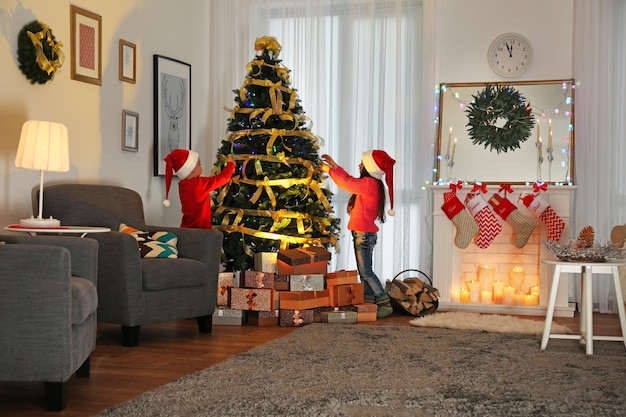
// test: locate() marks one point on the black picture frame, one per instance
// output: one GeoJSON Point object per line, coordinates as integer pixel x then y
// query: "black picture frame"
{"type": "Point", "coordinates": [172, 108]}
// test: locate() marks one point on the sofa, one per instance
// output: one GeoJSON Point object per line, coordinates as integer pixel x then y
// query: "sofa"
{"type": "Point", "coordinates": [48, 310]}
{"type": "Point", "coordinates": [135, 290]}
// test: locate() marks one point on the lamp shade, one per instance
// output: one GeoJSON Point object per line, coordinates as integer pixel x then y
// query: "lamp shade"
{"type": "Point", "coordinates": [43, 146]}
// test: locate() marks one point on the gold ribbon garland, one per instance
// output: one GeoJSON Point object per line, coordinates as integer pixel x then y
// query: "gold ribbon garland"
{"type": "Point", "coordinates": [50, 66]}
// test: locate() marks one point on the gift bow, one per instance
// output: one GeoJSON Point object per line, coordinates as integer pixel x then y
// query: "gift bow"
{"type": "Point", "coordinates": [506, 188]}
{"type": "Point", "coordinates": [456, 185]}
{"type": "Point", "coordinates": [480, 186]}
{"type": "Point", "coordinates": [540, 186]}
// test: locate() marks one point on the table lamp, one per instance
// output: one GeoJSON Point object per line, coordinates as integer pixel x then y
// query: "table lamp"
{"type": "Point", "coordinates": [44, 147]}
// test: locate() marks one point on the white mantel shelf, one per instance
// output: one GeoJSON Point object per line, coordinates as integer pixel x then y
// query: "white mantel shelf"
{"type": "Point", "coordinates": [448, 267]}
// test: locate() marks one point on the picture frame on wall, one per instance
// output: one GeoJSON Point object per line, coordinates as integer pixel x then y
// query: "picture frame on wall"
{"type": "Point", "coordinates": [128, 65]}
{"type": "Point", "coordinates": [172, 108]}
{"type": "Point", "coordinates": [130, 131]}
{"type": "Point", "coordinates": [85, 46]}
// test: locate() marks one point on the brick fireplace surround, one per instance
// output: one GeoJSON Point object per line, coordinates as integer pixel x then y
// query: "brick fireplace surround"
{"type": "Point", "coordinates": [453, 267]}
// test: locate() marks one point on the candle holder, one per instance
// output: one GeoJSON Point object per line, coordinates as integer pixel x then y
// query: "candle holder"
{"type": "Point", "coordinates": [538, 145]}
{"type": "Point", "coordinates": [550, 159]}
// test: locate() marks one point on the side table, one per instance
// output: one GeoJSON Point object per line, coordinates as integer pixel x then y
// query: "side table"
{"type": "Point", "coordinates": [81, 230]}
{"type": "Point", "coordinates": [587, 270]}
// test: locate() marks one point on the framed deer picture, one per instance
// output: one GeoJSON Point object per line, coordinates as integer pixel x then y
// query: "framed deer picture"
{"type": "Point", "coordinates": [172, 108]}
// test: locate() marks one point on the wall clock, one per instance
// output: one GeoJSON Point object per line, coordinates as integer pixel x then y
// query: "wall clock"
{"type": "Point", "coordinates": [510, 54]}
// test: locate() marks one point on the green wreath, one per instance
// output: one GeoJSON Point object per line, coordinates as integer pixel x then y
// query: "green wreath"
{"type": "Point", "coordinates": [38, 53]}
{"type": "Point", "coordinates": [492, 104]}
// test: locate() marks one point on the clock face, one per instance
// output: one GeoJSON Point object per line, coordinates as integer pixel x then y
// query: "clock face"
{"type": "Point", "coordinates": [510, 55]}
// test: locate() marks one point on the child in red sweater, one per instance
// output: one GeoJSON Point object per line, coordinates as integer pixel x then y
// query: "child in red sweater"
{"type": "Point", "coordinates": [194, 189]}
{"type": "Point", "coordinates": [366, 205]}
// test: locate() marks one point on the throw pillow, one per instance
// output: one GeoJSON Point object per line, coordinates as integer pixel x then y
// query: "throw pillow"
{"type": "Point", "coordinates": [160, 244]}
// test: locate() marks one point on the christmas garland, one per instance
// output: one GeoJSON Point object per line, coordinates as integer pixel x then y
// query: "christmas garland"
{"type": "Point", "coordinates": [492, 104]}
{"type": "Point", "coordinates": [38, 53]}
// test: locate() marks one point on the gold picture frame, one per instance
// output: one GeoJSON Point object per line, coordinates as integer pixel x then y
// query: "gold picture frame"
{"type": "Point", "coordinates": [128, 61]}
{"type": "Point", "coordinates": [85, 46]}
{"type": "Point", "coordinates": [130, 131]}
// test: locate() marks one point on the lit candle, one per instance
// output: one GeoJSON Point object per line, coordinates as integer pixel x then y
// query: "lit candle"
{"type": "Point", "coordinates": [485, 276]}
{"type": "Point", "coordinates": [474, 289]}
{"type": "Point", "coordinates": [498, 297]}
{"type": "Point", "coordinates": [516, 277]}
{"type": "Point", "coordinates": [540, 149]}
{"type": "Point", "coordinates": [549, 133]}
{"type": "Point", "coordinates": [486, 297]}
{"type": "Point", "coordinates": [465, 295]}
{"type": "Point", "coordinates": [518, 299]}
{"type": "Point", "coordinates": [528, 300]}
{"type": "Point", "coordinates": [449, 139]}
{"type": "Point", "coordinates": [509, 293]}
{"type": "Point", "coordinates": [453, 150]}
{"type": "Point", "coordinates": [538, 130]}
{"type": "Point", "coordinates": [498, 286]}
{"type": "Point", "coordinates": [455, 297]}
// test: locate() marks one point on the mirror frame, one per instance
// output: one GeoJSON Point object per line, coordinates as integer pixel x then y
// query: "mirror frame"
{"type": "Point", "coordinates": [445, 173]}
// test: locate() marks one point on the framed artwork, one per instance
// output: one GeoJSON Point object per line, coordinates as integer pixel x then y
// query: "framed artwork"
{"type": "Point", "coordinates": [128, 65]}
{"type": "Point", "coordinates": [86, 46]}
{"type": "Point", "coordinates": [130, 131]}
{"type": "Point", "coordinates": [172, 108]}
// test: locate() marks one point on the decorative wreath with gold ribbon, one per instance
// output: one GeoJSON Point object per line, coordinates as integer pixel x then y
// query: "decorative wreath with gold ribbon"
{"type": "Point", "coordinates": [499, 117]}
{"type": "Point", "coordinates": [38, 53]}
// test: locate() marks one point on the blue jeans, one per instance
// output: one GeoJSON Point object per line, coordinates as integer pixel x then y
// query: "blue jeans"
{"type": "Point", "coordinates": [364, 243]}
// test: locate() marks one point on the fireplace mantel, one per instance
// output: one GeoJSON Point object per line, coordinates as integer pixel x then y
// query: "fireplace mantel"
{"type": "Point", "coordinates": [453, 266]}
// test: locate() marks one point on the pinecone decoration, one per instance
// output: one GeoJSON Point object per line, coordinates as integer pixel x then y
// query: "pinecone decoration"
{"type": "Point", "coordinates": [585, 237]}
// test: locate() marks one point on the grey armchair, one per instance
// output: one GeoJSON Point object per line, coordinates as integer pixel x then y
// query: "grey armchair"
{"type": "Point", "coordinates": [135, 291]}
{"type": "Point", "coordinates": [48, 310]}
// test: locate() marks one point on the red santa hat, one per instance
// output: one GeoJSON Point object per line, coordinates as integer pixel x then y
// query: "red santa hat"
{"type": "Point", "coordinates": [378, 163]}
{"type": "Point", "coordinates": [180, 162]}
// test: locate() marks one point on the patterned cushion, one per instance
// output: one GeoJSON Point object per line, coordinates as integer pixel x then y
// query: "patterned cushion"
{"type": "Point", "coordinates": [156, 245]}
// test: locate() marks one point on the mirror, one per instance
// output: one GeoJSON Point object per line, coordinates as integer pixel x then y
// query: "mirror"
{"type": "Point", "coordinates": [461, 156]}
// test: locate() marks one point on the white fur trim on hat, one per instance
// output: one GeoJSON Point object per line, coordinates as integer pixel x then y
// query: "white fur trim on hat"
{"type": "Point", "coordinates": [188, 166]}
{"type": "Point", "coordinates": [371, 166]}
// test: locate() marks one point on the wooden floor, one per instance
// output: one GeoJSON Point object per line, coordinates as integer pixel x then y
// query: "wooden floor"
{"type": "Point", "coordinates": [167, 352]}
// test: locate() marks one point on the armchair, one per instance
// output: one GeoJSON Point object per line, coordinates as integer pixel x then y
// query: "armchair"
{"type": "Point", "coordinates": [47, 310]}
{"type": "Point", "coordinates": [135, 291]}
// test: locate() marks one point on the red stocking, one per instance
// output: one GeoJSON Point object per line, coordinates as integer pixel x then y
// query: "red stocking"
{"type": "Point", "coordinates": [466, 226]}
{"type": "Point", "coordinates": [488, 224]}
{"type": "Point", "coordinates": [541, 208]}
{"type": "Point", "coordinates": [522, 225]}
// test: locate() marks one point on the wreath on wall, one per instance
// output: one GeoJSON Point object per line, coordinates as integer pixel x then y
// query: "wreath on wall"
{"type": "Point", "coordinates": [499, 118]}
{"type": "Point", "coordinates": [38, 53]}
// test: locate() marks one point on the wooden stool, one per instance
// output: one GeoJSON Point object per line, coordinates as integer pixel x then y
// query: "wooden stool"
{"type": "Point", "coordinates": [586, 270]}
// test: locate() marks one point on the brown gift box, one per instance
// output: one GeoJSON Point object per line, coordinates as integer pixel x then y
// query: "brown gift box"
{"type": "Point", "coordinates": [262, 318]}
{"type": "Point", "coordinates": [365, 311]}
{"type": "Point", "coordinates": [346, 294]}
{"type": "Point", "coordinates": [302, 300]}
{"type": "Point", "coordinates": [295, 318]}
{"type": "Point", "coordinates": [256, 299]}
{"type": "Point", "coordinates": [310, 268]}
{"type": "Point", "coordinates": [225, 281]}
{"type": "Point", "coordinates": [281, 282]}
{"type": "Point", "coordinates": [299, 256]}
{"type": "Point", "coordinates": [342, 277]}
{"type": "Point", "coordinates": [258, 279]}
{"type": "Point", "coordinates": [265, 261]}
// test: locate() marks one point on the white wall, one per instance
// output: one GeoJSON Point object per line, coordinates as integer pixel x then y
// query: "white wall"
{"type": "Point", "coordinates": [460, 33]}
{"type": "Point", "coordinates": [92, 113]}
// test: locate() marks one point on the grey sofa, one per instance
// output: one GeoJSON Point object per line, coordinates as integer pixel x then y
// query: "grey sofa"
{"type": "Point", "coordinates": [132, 290]}
{"type": "Point", "coordinates": [47, 310]}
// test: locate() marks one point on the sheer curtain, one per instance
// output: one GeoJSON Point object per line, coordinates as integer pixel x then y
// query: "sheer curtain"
{"type": "Point", "coordinates": [600, 70]}
{"type": "Point", "coordinates": [357, 67]}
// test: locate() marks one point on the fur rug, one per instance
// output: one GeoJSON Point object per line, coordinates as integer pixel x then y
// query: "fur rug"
{"type": "Point", "coordinates": [486, 322]}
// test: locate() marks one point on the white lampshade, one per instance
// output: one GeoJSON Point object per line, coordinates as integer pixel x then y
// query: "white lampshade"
{"type": "Point", "coordinates": [44, 147]}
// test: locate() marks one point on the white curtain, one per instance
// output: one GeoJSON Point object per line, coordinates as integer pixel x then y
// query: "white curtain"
{"type": "Point", "coordinates": [358, 68]}
{"type": "Point", "coordinates": [600, 123]}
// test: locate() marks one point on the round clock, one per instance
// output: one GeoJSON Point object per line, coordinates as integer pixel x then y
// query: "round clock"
{"type": "Point", "coordinates": [510, 54]}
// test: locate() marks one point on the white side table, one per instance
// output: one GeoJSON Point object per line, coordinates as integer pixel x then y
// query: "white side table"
{"type": "Point", "coordinates": [586, 311]}
{"type": "Point", "coordinates": [80, 230]}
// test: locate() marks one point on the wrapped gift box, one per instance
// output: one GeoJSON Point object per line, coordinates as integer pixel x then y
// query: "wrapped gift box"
{"type": "Point", "coordinates": [258, 279]}
{"type": "Point", "coordinates": [310, 268]}
{"type": "Point", "coordinates": [342, 277]}
{"type": "Point", "coordinates": [365, 311]}
{"type": "Point", "coordinates": [346, 294]}
{"type": "Point", "coordinates": [225, 281]}
{"type": "Point", "coordinates": [227, 317]}
{"type": "Point", "coordinates": [345, 317]}
{"type": "Point", "coordinates": [281, 282]}
{"type": "Point", "coordinates": [265, 261]}
{"type": "Point", "coordinates": [303, 300]}
{"type": "Point", "coordinates": [295, 318]}
{"type": "Point", "coordinates": [310, 282]}
{"type": "Point", "coordinates": [262, 318]}
{"type": "Point", "coordinates": [300, 256]}
{"type": "Point", "coordinates": [256, 299]}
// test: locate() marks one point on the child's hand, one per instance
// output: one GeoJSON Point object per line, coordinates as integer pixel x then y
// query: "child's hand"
{"type": "Point", "coordinates": [328, 160]}
{"type": "Point", "coordinates": [230, 158]}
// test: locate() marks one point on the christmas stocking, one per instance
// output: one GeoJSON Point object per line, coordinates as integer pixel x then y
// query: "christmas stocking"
{"type": "Point", "coordinates": [541, 208]}
{"type": "Point", "coordinates": [466, 226]}
{"type": "Point", "coordinates": [488, 225]}
{"type": "Point", "coordinates": [522, 225]}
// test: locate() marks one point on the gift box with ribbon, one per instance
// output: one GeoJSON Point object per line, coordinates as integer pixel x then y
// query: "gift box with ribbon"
{"type": "Point", "coordinates": [255, 299]}
{"type": "Point", "coordinates": [346, 294]}
{"type": "Point", "coordinates": [342, 277]}
{"type": "Point", "coordinates": [295, 318]}
{"type": "Point", "coordinates": [300, 256]}
{"type": "Point", "coordinates": [265, 261]}
{"type": "Point", "coordinates": [302, 300]}
{"type": "Point", "coordinates": [262, 318]}
{"type": "Point", "coordinates": [345, 317]}
{"type": "Point", "coordinates": [225, 281]}
{"type": "Point", "coordinates": [227, 317]}
{"type": "Point", "coordinates": [309, 282]}
{"type": "Point", "coordinates": [258, 279]}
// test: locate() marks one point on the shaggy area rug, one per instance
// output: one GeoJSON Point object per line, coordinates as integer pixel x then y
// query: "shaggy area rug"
{"type": "Point", "coordinates": [360, 370]}
{"type": "Point", "coordinates": [486, 322]}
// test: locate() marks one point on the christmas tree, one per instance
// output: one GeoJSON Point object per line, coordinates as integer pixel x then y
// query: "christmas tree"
{"type": "Point", "coordinates": [275, 199]}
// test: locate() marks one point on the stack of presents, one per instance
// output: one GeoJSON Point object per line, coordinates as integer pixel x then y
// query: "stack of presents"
{"type": "Point", "coordinates": [291, 288]}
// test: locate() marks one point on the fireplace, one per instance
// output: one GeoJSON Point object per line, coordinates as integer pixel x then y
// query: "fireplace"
{"type": "Point", "coordinates": [454, 268]}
